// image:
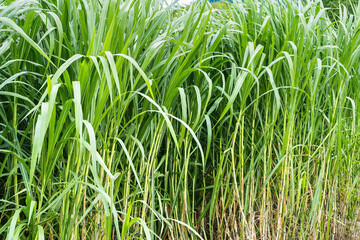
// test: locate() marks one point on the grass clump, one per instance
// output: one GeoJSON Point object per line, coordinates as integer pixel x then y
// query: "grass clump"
{"type": "Point", "coordinates": [139, 120]}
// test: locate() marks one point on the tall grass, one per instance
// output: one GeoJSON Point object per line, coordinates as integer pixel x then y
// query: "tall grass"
{"type": "Point", "coordinates": [141, 120]}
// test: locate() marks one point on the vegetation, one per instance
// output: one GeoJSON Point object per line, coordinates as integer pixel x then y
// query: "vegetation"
{"type": "Point", "coordinates": [334, 6]}
{"type": "Point", "coordinates": [136, 120]}
{"type": "Point", "coordinates": [336, 3]}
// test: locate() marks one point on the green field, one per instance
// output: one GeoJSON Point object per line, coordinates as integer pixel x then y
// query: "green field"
{"type": "Point", "coordinates": [134, 119]}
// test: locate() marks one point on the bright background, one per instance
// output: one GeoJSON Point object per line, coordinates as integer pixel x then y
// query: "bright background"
{"type": "Point", "coordinates": [181, 2]}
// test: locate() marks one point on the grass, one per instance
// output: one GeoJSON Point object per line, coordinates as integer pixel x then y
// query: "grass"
{"type": "Point", "coordinates": [138, 120]}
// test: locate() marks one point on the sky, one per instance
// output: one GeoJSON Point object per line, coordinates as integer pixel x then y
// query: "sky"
{"type": "Point", "coordinates": [181, 2]}
{"type": "Point", "coordinates": [185, 1]}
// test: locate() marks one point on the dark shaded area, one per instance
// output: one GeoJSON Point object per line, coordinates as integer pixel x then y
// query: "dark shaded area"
{"type": "Point", "coordinates": [335, 5]}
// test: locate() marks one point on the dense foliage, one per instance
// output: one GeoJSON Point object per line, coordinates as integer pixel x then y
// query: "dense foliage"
{"type": "Point", "coordinates": [131, 119]}
{"type": "Point", "coordinates": [336, 3]}
{"type": "Point", "coordinates": [335, 6]}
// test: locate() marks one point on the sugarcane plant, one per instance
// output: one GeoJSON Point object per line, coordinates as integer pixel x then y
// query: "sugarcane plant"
{"type": "Point", "coordinates": [144, 119]}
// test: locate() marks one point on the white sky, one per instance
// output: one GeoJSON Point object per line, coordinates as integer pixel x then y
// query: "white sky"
{"type": "Point", "coordinates": [181, 2]}
{"type": "Point", "coordinates": [185, 1]}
